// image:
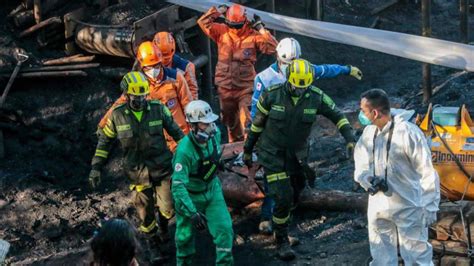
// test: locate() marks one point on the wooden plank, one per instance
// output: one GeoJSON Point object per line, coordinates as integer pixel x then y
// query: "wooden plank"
{"type": "Point", "coordinates": [449, 248]}
{"type": "Point", "coordinates": [459, 233]}
{"type": "Point", "coordinates": [443, 227]}
{"type": "Point", "coordinates": [454, 261]}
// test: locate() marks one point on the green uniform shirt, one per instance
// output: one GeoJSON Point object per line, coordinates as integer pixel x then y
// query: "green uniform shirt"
{"type": "Point", "coordinates": [283, 125]}
{"type": "Point", "coordinates": [143, 142]}
{"type": "Point", "coordinates": [185, 163]}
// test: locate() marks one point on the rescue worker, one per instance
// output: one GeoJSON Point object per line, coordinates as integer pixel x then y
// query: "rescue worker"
{"type": "Point", "coordinates": [238, 41]}
{"type": "Point", "coordinates": [139, 125]}
{"type": "Point", "coordinates": [282, 124]}
{"type": "Point", "coordinates": [289, 49]}
{"type": "Point", "coordinates": [197, 191]}
{"type": "Point", "coordinates": [166, 85]}
{"type": "Point", "coordinates": [165, 42]}
{"type": "Point", "coordinates": [393, 163]}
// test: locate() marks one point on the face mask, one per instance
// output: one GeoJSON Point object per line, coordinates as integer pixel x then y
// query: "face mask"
{"type": "Point", "coordinates": [283, 68]}
{"type": "Point", "coordinates": [363, 119]}
{"type": "Point", "coordinates": [204, 135]}
{"type": "Point", "coordinates": [296, 91]}
{"type": "Point", "coordinates": [137, 103]}
{"type": "Point", "coordinates": [153, 73]}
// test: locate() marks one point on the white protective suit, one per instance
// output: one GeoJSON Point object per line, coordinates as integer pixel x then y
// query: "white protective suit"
{"type": "Point", "coordinates": [409, 206]}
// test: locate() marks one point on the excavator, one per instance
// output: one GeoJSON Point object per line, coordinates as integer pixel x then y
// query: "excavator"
{"type": "Point", "coordinates": [450, 132]}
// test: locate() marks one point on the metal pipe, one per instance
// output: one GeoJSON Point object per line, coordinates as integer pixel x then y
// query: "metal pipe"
{"type": "Point", "coordinates": [208, 71]}
{"type": "Point", "coordinates": [426, 32]}
{"type": "Point", "coordinates": [320, 10]}
{"type": "Point", "coordinates": [464, 20]}
{"type": "Point", "coordinates": [200, 61]}
{"type": "Point", "coordinates": [106, 40]}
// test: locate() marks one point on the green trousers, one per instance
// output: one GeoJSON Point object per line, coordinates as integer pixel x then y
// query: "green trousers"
{"type": "Point", "coordinates": [211, 203]}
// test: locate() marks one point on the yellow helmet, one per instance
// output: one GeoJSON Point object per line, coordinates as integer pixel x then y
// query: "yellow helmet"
{"type": "Point", "coordinates": [135, 83]}
{"type": "Point", "coordinates": [300, 73]}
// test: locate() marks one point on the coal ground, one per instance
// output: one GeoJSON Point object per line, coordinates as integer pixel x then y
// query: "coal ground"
{"type": "Point", "coordinates": [48, 213]}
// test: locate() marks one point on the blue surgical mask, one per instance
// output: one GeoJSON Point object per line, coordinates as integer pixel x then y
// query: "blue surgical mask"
{"type": "Point", "coordinates": [363, 119]}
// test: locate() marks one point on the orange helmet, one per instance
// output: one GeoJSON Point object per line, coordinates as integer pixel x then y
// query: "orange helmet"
{"type": "Point", "coordinates": [235, 14]}
{"type": "Point", "coordinates": [164, 41]}
{"type": "Point", "coordinates": [147, 55]}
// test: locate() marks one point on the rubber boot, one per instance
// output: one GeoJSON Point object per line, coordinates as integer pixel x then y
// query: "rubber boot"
{"type": "Point", "coordinates": [265, 227]}
{"type": "Point", "coordinates": [285, 252]}
{"type": "Point", "coordinates": [155, 255]}
{"type": "Point", "coordinates": [163, 231]}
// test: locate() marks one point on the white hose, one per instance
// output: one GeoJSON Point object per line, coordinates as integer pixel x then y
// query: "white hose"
{"type": "Point", "coordinates": [423, 49]}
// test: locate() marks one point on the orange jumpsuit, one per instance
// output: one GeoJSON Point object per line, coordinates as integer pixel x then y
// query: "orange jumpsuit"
{"type": "Point", "coordinates": [235, 71]}
{"type": "Point", "coordinates": [173, 92]}
{"type": "Point", "coordinates": [189, 71]}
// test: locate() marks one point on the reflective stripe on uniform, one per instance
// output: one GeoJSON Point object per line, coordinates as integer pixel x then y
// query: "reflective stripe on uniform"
{"type": "Point", "coordinates": [277, 220]}
{"type": "Point", "coordinates": [148, 229]}
{"type": "Point", "coordinates": [139, 188]}
{"type": "Point", "coordinates": [256, 129]}
{"type": "Point", "coordinates": [342, 123]}
{"type": "Point", "coordinates": [213, 167]}
{"type": "Point", "coordinates": [109, 133]}
{"type": "Point", "coordinates": [276, 177]}
{"type": "Point", "coordinates": [155, 123]}
{"type": "Point", "coordinates": [101, 153]}
{"type": "Point", "coordinates": [124, 127]}
{"type": "Point", "coordinates": [224, 249]}
{"type": "Point", "coordinates": [166, 215]}
{"type": "Point", "coordinates": [261, 108]}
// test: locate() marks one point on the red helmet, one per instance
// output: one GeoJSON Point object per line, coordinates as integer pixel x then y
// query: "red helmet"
{"type": "Point", "coordinates": [235, 14]}
{"type": "Point", "coordinates": [164, 41]}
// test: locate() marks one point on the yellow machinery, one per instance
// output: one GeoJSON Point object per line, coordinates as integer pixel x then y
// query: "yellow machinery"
{"type": "Point", "coordinates": [451, 132]}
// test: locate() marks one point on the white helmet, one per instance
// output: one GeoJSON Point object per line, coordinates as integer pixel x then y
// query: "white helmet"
{"type": "Point", "coordinates": [288, 49]}
{"type": "Point", "coordinates": [199, 111]}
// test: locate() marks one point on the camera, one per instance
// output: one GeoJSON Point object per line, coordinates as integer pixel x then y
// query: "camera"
{"type": "Point", "coordinates": [377, 185]}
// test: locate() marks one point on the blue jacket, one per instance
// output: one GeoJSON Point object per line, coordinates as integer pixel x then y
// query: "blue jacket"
{"type": "Point", "coordinates": [271, 76]}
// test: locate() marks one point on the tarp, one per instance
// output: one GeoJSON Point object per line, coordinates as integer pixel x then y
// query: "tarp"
{"type": "Point", "coordinates": [423, 49]}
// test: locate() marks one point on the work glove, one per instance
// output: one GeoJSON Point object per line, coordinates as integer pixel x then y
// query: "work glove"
{"type": "Point", "coordinates": [365, 182]}
{"type": "Point", "coordinates": [222, 9]}
{"type": "Point", "coordinates": [429, 218]}
{"type": "Point", "coordinates": [355, 72]}
{"type": "Point", "coordinates": [257, 23]}
{"type": "Point", "coordinates": [350, 150]}
{"type": "Point", "coordinates": [199, 221]}
{"type": "Point", "coordinates": [94, 178]}
{"type": "Point", "coordinates": [247, 159]}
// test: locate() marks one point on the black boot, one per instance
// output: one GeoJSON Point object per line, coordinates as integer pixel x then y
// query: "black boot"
{"type": "Point", "coordinates": [285, 252]}
{"type": "Point", "coordinates": [156, 256]}
{"type": "Point", "coordinates": [163, 231]}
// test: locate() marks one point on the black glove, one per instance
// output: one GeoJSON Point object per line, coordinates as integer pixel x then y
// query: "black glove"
{"type": "Point", "coordinates": [350, 150]}
{"type": "Point", "coordinates": [222, 9]}
{"type": "Point", "coordinates": [257, 23]}
{"type": "Point", "coordinates": [247, 158]}
{"type": "Point", "coordinates": [199, 221]}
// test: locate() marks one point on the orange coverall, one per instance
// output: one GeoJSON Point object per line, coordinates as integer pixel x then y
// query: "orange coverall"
{"type": "Point", "coordinates": [189, 71]}
{"type": "Point", "coordinates": [173, 92]}
{"type": "Point", "coordinates": [235, 71]}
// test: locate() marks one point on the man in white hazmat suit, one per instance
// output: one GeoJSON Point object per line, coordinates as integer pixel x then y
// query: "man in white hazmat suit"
{"type": "Point", "coordinates": [393, 163]}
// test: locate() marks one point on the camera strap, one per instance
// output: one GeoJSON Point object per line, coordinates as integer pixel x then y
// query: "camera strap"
{"type": "Point", "coordinates": [389, 144]}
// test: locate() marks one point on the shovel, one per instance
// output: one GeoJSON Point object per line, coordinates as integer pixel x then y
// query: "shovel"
{"type": "Point", "coordinates": [21, 58]}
